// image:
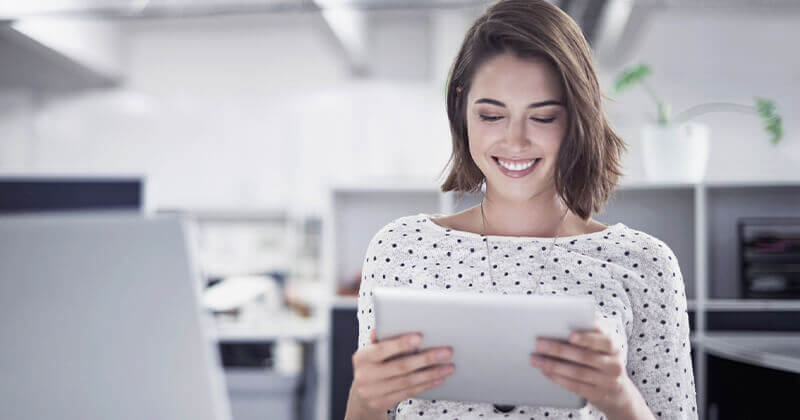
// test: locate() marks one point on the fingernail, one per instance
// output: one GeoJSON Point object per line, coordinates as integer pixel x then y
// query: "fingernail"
{"type": "Point", "coordinates": [535, 360]}
{"type": "Point", "coordinates": [443, 355]}
{"type": "Point", "coordinates": [415, 340]}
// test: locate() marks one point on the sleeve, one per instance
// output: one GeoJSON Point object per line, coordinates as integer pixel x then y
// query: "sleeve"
{"type": "Point", "coordinates": [659, 358]}
{"type": "Point", "coordinates": [373, 267]}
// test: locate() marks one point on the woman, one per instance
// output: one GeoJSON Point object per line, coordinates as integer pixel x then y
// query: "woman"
{"type": "Point", "coordinates": [525, 115]}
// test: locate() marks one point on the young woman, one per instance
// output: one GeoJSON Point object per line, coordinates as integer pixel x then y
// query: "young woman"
{"type": "Point", "coordinates": [527, 124]}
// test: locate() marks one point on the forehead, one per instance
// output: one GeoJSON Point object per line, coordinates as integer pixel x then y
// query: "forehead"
{"type": "Point", "coordinates": [509, 78]}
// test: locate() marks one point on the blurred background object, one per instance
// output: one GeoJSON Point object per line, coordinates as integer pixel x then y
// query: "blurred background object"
{"type": "Point", "coordinates": [287, 132]}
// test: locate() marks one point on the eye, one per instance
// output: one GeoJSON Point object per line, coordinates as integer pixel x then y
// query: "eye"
{"type": "Point", "coordinates": [489, 118]}
{"type": "Point", "coordinates": [546, 121]}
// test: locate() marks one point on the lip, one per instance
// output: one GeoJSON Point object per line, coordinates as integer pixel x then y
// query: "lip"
{"type": "Point", "coordinates": [516, 174]}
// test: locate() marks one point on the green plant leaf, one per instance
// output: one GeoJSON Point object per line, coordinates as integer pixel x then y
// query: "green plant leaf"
{"type": "Point", "coordinates": [770, 118]}
{"type": "Point", "coordinates": [631, 76]}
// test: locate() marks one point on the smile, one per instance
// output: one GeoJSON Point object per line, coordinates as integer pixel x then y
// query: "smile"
{"type": "Point", "coordinates": [516, 168]}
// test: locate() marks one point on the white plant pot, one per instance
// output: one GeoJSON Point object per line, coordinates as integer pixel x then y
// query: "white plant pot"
{"type": "Point", "coordinates": [675, 153]}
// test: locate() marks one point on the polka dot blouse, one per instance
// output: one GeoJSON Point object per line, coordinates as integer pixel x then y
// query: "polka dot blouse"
{"type": "Point", "coordinates": [633, 277]}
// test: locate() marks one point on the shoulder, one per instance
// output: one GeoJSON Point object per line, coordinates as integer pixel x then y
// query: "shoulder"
{"type": "Point", "coordinates": [648, 250]}
{"type": "Point", "coordinates": [395, 234]}
{"type": "Point", "coordinates": [655, 268]}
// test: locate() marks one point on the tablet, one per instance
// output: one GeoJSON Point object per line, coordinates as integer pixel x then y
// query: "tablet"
{"type": "Point", "coordinates": [492, 337]}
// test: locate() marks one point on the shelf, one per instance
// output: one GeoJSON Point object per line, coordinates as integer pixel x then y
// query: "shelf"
{"type": "Point", "coordinates": [344, 302]}
{"type": "Point", "coordinates": [771, 350]}
{"type": "Point", "coordinates": [752, 305]}
{"type": "Point", "coordinates": [644, 185]}
{"type": "Point", "coordinates": [713, 305]}
{"type": "Point", "coordinates": [421, 184]}
{"type": "Point", "coordinates": [694, 219]}
{"type": "Point", "coordinates": [281, 327]}
{"type": "Point", "coordinates": [383, 185]}
{"type": "Point", "coordinates": [232, 214]}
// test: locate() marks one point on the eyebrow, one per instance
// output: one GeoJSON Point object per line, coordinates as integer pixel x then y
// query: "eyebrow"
{"type": "Point", "coordinates": [533, 105]}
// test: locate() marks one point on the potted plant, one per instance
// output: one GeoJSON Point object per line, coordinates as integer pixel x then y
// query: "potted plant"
{"type": "Point", "coordinates": [675, 148]}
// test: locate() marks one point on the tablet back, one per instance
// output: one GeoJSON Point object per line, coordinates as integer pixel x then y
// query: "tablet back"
{"type": "Point", "coordinates": [492, 337]}
{"type": "Point", "coordinates": [101, 320]}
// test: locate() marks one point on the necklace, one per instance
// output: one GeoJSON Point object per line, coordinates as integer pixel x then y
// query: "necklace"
{"type": "Point", "coordinates": [488, 255]}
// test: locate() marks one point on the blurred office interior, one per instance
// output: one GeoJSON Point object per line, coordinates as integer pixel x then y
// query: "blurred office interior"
{"type": "Point", "coordinates": [285, 133]}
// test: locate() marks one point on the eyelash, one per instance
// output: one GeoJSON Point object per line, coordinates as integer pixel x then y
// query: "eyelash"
{"type": "Point", "coordinates": [491, 119]}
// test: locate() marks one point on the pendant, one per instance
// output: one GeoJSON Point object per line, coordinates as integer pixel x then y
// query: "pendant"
{"type": "Point", "coordinates": [504, 408]}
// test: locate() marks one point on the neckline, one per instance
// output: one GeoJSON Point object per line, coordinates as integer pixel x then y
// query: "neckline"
{"type": "Point", "coordinates": [428, 219]}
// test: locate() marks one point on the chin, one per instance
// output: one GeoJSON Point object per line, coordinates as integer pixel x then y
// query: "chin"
{"type": "Point", "coordinates": [522, 192]}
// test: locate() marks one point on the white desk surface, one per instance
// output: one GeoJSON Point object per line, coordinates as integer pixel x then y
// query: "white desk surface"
{"type": "Point", "coordinates": [280, 327]}
{"type": "Point", "coordinates": [776, 350]}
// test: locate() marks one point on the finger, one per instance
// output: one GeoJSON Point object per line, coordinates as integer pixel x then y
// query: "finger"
{"type": "Point", "coordinates": [414, 362]}
{"type": "Point", "coordinates": [573, 353]}
{"type": "Point", "coordinates": [407, 381]}
{"type": "Point", "coordinates": [387, 348]}
{"type": "Point", "coordinates": [571, 370]}
{"type": "Point", "coordinates": [583, 389]}
{"type": "Point", "coordinates": [391, 399]}
{"type": "Point", "coordinates": [595, 340]}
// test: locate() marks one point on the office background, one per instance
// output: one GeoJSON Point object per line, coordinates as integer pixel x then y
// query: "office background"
{"type": "Point", "coordinates": [277, 124]}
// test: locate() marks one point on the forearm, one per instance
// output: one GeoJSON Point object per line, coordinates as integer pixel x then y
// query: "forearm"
{"type": "Point", "coordinates": [634, 408]}
{"type": "Point", "coordinates": [357, 410]}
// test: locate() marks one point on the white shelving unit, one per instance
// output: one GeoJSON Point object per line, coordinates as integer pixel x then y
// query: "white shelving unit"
{"type": "Point", "coordinates": [255, 241]}
{"type": "Point", "coordinates": [692, 218]}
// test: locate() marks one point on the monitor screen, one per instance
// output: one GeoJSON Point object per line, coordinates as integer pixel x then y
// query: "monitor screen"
{"type": "Point", "coordinates": [32, 194]}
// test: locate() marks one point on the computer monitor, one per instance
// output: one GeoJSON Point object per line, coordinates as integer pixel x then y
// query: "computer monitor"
{"type": "Point", "coordinates": [20, 194]}
{"type": "Point", "coordinates": [101, 320]}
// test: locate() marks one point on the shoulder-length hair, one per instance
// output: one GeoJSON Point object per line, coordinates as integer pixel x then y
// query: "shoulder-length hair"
{"type": "Point", "coordinates": [588, 163]}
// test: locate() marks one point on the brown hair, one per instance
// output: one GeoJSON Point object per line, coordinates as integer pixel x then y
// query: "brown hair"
{"type": "Point", "coordinates": [588, 164]}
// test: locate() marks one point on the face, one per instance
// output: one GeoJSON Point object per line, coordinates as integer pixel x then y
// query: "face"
{"type": "Point", "coordinates": [514, 115]}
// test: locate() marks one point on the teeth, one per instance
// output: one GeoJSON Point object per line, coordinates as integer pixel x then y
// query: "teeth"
{"type": "Point", "coordinates": [516, 166]}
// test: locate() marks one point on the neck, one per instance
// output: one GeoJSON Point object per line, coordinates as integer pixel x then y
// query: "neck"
{"type": "Point", "coordinates": [544, 215]}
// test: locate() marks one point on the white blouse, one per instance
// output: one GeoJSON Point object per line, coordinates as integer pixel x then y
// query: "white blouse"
{"type": "Point", "coordinates": [634, 278]}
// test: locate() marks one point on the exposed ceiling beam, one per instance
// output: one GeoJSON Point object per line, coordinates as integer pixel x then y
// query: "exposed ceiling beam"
{"type": "Point", "coordinates": [349, 26]}
{"type": "Point", "coordinates": [155, 9]}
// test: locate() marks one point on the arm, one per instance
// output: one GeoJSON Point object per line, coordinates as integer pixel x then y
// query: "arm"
{"type": "Point", "coordinates": [356, 410]}
{"type": "Point", "coordinates": [659, 360]}
{"type": "Point", "coordinates": [372, 266]}
{"type": "Point", "coordinates": [635, 407]}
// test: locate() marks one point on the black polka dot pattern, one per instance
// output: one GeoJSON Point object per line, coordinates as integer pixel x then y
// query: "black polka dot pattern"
{"type": "Point", "coordinates": [633, 277]}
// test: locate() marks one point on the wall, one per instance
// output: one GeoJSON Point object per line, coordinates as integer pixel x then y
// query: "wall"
{"type": "Point", "coordinates": [725, 54]}
{"type": "Point", "coordinates": [261, 111]}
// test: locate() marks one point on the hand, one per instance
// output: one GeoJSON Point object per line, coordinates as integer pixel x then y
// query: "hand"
{"type": "Point", "coordinates": [591, 365]}
{"type": "Point", "coordinates": [384, 373]}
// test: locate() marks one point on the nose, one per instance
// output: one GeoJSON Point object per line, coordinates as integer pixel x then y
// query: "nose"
{"type": "Point", "coordinates": [516, 133]}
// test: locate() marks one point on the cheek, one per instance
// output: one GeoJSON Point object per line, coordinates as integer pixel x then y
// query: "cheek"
{"type": "Point", "coordinates": [550, 138]}
{"type": "Point", "coordinates": [479, 140]}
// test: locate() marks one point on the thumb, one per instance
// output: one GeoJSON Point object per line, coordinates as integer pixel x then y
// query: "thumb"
{"type": "Point", "coordinates": [597, 321]}
{"type": "Point", "coordinates": [372, 337]}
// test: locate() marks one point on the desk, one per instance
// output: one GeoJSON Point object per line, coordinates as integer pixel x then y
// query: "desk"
{"type": "Point", "coordinates": [280, 326]}
{"type": "Point", "coordinates": [752, 374]}
{"type": "Point", "coordinates": [776, 350]}
{"type": "Point", "coordinates": [250, 389]}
